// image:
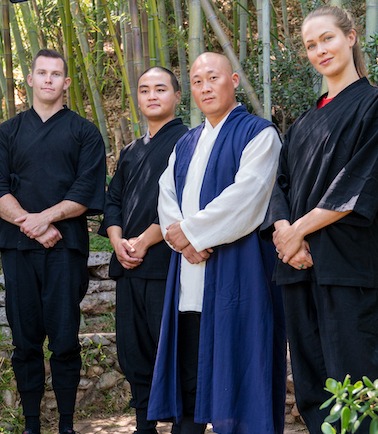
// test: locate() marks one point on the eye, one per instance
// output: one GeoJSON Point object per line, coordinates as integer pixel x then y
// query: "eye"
{"type": "Point", "coordinates": [310, 47]}
{"type": "Point", "coordinates": [213, 77]}
{"type": "Point", "coordinates": [196, 82]}
{"type": "Point", "coordinates": [328, 38]}
{"type": "Point", "coordinates": [161, 90]}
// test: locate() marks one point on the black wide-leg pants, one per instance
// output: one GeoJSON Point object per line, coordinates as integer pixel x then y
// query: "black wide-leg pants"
{"type": "Point", "coordinates": [332, 331]}
{"type": "Point", "coordinates": [43, 293]}
{"type": "Point", "coordinates": [139, 308]}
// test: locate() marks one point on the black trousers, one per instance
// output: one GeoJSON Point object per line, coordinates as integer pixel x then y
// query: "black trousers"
{"type": "Point", "coordinates": [332, 331]}
{"type": "Point", "coordinates": [139, 308]}
{"type": "Point", "coordinates": [188, 347]}
{"type": "Point", "coordinates": [43, 293]}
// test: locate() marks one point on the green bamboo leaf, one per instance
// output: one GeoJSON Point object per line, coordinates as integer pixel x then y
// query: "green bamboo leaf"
{"type": "Point", "coordinates": [327, 428]}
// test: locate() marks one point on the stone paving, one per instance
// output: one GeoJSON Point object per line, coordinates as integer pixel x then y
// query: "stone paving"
{"type": "Point", "coordinates": [125, 424]}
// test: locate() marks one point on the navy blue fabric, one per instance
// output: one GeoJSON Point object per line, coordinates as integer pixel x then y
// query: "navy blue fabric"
{"type": "Point", "coordinates": [242, 354]}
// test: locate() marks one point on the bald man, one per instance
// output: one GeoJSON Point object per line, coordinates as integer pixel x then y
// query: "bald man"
{"type": "Point", "coordinates": [221, 356]}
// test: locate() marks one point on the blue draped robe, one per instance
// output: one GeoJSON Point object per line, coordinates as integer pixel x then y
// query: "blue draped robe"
{"type": "Point", "coordinates": [242, 355]}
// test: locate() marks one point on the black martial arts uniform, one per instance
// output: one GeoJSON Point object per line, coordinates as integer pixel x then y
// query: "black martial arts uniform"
{"type": "Point", "coordinates": [42, 164]}
{"type": "Point", "coordinates": [330, 160]}
{"type": "Point", "coordinates": [131, 203]}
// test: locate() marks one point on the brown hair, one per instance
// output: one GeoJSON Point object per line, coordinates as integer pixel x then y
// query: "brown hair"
{"type": "Point", "coordinates": [52, 54]}
{"type": "Point", "coordinates": [344, 21]}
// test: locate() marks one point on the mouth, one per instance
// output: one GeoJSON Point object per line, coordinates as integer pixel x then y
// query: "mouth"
{"type": "Point", "coordinates": [153, 106]}
{"type": "Point", "coordinates": [325, 61]}
{"type": "Point", "coordinates": [208, 99]}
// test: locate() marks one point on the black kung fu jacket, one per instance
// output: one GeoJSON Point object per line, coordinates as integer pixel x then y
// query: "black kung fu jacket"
{"type": "Point", "coordinates": [43, 163]}
{"type": "Point", "coordinates": [329, 160]}
{"type": "Point", "coordinates": [131, 200]}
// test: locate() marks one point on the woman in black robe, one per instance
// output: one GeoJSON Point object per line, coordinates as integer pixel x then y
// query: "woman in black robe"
{"type": "Point", "coordinates": [323, 214]}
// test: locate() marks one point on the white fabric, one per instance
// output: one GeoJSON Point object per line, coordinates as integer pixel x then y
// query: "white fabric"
{"type": "Point", "coordinates": [236, 212]}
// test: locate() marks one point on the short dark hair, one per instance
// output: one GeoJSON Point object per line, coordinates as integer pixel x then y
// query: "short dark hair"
{"type": "Point", "coordinates": [52, 54]}
{"type": "Point", "coordinates": [174, 81]}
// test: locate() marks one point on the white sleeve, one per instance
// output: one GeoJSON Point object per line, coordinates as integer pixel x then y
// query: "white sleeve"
{"type": "Point", "coordinates": [241, 207]}
{"type": "Point", "coordinates": [168, 208]}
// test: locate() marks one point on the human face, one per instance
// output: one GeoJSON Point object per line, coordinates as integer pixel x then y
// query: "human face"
{"type": "Point", "coordinates": [48, 80]}
{"type": "Point", "coordinates": [156, 97]}
{"type": "Point", "coordinates": [328, 49]}
{"type": "Point", "coordinates": [213, 86]}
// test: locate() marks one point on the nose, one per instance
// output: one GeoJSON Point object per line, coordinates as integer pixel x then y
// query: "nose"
{"type": "Point", "coordinates": [152, 94]}
{"type": "Point", "coordinates": [48, 78]}
{"type": "Point", "coordinates": [206, 86]}
{"type": "Point", "coordinates": [321, 49]}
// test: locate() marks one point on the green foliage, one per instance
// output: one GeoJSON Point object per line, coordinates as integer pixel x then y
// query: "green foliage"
{"type": "Point", "coordinates": [371, 49]}
{"type": "Point", "coordinates": [294, 83]}
{"type": "Point", "coordinates": [9, 417]}
{"type": "Point", "coordinates": [352, 403]}
{"type": "Point", "coordinates": [97, 243]}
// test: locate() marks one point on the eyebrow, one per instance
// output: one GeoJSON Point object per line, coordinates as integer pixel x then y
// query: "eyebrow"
{"type": "Point", "coordinates": [327, 31]}
{"type": "Point", "coordinates": [45, 70]}
{"type": "Point", "coordinates": [154, 85]}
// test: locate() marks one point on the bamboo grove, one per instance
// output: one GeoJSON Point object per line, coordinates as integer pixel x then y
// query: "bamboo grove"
{"type": "Point", "coordinates": [108, 44]}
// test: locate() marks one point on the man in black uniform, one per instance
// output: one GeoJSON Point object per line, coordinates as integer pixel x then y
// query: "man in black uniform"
{"type": "Point", "coordinates": [141, 257]}
{"type": "Point", "coordinates": [52, 174]}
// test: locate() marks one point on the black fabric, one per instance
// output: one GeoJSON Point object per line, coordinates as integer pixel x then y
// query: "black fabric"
{"type": "Point", "coordinates": [321, 325]}
{"type": "Point", "coordinates": [330, 160]}
{"type": "Point", "coordinates": [188, 346]}
{"type": "Point", "coordinates": [131, 200]}
{"type": "Point", "coordinates": [139, 306]}
{"type": "Point", "coordinates": [43, 292]}
{"type": "Point", "coordinates": [43, 163]}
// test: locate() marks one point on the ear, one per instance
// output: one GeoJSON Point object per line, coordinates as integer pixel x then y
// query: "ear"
{"type": "Point", "coordinates": [29, 80]}
{"type": "Point", "coordinates": [178, 97]}
{"type": "Point", "coordinates": [67, 83]}
{"type": "Point", "coordinates": [352, 37]}
{"type": "Point", "coordinates": [235, 79]}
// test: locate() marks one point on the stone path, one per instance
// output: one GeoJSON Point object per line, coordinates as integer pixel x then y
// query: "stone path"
{"type": "Point", "coordinates": [125, 424]}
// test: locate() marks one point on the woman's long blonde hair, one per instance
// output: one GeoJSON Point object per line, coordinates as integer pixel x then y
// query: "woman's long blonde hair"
{"type": "Point", "coordinates": [345, 22]}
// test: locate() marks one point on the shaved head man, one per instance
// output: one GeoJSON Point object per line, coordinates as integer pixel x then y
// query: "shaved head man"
{"type": "Point", "coordinates": [222, 335]}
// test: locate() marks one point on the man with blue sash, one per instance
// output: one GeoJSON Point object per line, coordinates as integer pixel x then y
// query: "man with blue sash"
{"type": "Point", "coordinates": [221, 356]}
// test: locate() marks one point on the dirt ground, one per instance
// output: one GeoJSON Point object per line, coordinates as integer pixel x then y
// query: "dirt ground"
{"type": "Point", "coordinates": [125, 424]}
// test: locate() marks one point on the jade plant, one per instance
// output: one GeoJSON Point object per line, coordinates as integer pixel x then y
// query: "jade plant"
{"type": "Point", "coordinates": [352, 403]}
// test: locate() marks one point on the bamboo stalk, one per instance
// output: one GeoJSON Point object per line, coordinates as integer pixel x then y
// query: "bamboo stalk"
{"type": "Point", "coordinates": [181, 54]}
{"type": "Point", "coordinates": [90, 68]}
{"type": "Point", "coordinates": [31, 28]}
{"type": "Point", "coordinates": [137, 43]}
{"type": "Point", "coordinates": [8, 60]}
{"type": "Point", "coordinates": [194, 42]}
{"type": "Point", "coordinates": [21, 53]}
{"type": "Point", "coordinates": [227, 48]}
{"type": "Point", "coordinates": [117, 49]}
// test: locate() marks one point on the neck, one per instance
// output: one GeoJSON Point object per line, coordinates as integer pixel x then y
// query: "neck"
{"type": "Point", "coordinates": [155, 126]}
{"type": "Point", "coordinates": [337, 84]}
{"type": "Point", "coordinates": [46, 111]}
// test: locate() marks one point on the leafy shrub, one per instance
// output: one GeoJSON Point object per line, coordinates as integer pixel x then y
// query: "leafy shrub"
{"type": "Point", "coordinates": [352, 403]}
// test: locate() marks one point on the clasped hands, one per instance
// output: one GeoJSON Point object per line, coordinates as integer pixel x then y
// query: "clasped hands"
{"type": "Point", "coordinates": [177, 239]}
{"type": "Point", "coordinates": [36, 227]}
{"type": "Point", "coordinates": [130, 253]}
{"type": "Point", "coordinates": [291, 246]}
